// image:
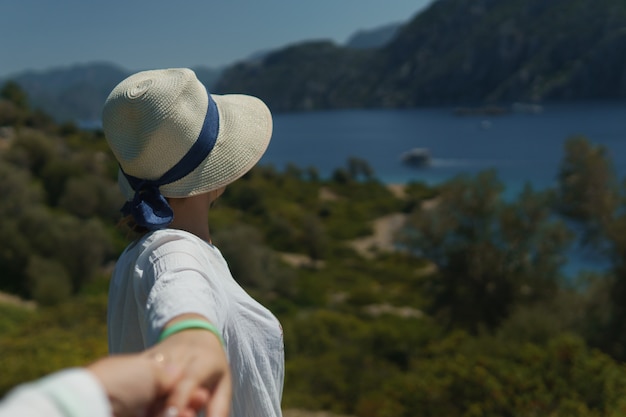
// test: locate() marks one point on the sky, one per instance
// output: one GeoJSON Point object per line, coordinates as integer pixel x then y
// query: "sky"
{"type": "Point", "coordinates": [145, 34]}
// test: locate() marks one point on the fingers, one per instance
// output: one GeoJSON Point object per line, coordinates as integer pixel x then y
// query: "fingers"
{"type": "Point", "coordinates": [180, 397]}
{"type": "Point", "coordinates": [198, 399]}
{"type": "Point", "coordinates": [205, 382]}
{"type": "Point", "coordinates": [221, 399]}
{"type": "Point", "coordinates": [189, 396]}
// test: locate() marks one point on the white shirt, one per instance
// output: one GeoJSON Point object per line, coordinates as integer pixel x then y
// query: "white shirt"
{"type": "Point", "coordinates": [68, 393]}
{"type": "Point", "coordinates": [170, 272]}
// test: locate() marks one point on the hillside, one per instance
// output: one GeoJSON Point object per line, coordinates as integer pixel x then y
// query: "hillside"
{"type": "Point", "coordinates": [76, 93]}
{"type": "Point", "coordinates": [71, 93]}
{"type": "Point", "coordinates": [365, 39]}
{"type": "Point", "coordinates": [470, 318]}
{"type": "Point", "coordinates": [456, 52]}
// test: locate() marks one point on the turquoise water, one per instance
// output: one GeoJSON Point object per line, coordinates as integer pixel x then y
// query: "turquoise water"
{"type": "Point", "coordinates": [521, 147]}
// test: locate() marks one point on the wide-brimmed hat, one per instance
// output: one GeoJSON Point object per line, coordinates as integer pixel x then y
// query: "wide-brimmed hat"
{"type": "Point", "coordinates": [172, 137]}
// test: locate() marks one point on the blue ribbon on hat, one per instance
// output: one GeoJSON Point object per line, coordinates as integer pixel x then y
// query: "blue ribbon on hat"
{"type": "Point", "coordinates": [148, 207]}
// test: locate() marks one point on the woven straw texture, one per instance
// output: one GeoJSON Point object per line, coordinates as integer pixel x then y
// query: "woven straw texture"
{"type": "Point", "coordinates": [152, 118]}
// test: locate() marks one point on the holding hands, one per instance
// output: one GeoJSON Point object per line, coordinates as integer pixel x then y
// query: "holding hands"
{"type": "Point", "coordinates": [185, 373]}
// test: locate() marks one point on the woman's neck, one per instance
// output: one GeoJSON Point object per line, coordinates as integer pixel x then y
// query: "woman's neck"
{"type": "Point", "coordinates": [191, 214]}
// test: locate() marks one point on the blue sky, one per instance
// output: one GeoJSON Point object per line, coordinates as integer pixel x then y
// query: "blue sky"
{"type": "Point", "coordinates": [143, 34]}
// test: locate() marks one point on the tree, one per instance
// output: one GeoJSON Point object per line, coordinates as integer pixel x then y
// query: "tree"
{"type": "Point", "coordinates": [19, 194]}
{"type": "Point", "coordinates": [34, 149]}
{"type": "Point", "coordinates": [251, 262]}
{"type": "Point", "coordinates": [83, 249]}
{"type": "Point", "coordinates": [360, 168]}
{"type": "Point", "coordinates": [611, 334]}
{"type": "Point", "coordinates": [588, 195]}
{"type": "Point", "coordinates": [314, 237]}
{"type": "Point", "coordinates": [312, 174]}
{"type": "Point", "coordinates": [10, 114]}
{"type": "Point", "coordinates": [490, 255]}
{"type": "Point", "coordinates": [587, 191]}
{"type": "Point", "coordinates": [341, 176]}
{"type": "Point", "coordinates": [90, 196]}
{"type": "Point", "coordinates": [48, 281]}
{"type": "Point", "coordinates": [12, 92]}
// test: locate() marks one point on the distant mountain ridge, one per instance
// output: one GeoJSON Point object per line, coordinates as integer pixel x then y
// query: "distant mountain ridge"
{"type": "Point", "coordinates": [71, 93]}
{"type": "Point", "coordinates": [455, 52]}
{"type": "Point", "coordinates": [375, 38]}
{"type": "Point", "coordinates": [77, 93]}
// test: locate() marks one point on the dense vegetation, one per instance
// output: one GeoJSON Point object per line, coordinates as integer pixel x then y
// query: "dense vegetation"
{"type": "Point", "coordinates": [468, 317]}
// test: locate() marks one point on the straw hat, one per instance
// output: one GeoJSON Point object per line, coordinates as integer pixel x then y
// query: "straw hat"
{"type": "Point", "coordinates": [153, 118]}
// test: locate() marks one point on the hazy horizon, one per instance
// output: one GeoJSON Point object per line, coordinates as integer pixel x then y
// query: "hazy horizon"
{"type": "Point", "coordinates": [40, 35]}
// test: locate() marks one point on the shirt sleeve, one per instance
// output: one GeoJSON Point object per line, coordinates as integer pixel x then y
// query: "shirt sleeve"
{"type": "Point", "coordinates": [179, 280]}
{"type": "Point", "coordinates": [68, 393]}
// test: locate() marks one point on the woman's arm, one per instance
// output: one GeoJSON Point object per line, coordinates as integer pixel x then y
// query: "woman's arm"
{"type": "Point", "coordinates": [205, 369]}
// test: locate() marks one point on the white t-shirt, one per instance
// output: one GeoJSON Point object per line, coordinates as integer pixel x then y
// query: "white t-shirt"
{"type": "Point", "coordinates": [69, 393]}
{"type": "Point", "coordinates": [170, 272]}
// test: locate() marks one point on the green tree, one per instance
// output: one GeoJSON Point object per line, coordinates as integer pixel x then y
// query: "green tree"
{"type": "Point", "coordinates": [48, 280]}
{"type": "Point", "coordinates": [12, 92]}
{"type": "Point", "coordinates": [10, 114]}
{"type": "Point", "coordinates": [80, 246]}
{"type": "Point", "coordinates": [587, 189]}
{"type": "Point", "coordinates": [90, 196]}
{"type": "Point", "coordinates": [83, 249]}
{"type": "Point", "coordinates": [610, 335]}
{"type": "Point", "coordinates": [359, 168]}
{"type": "Point", "coordinates": [55, 175]}
{"type": "Point", "coordinates": [314, 237]}
{"type": "Point", "coordinates": [33, 149]}
{"type": "Point", "coordinates": [19, 194]}
{"type": "Point", "coordinates": [588, 195]}
{"type": "Point", "coordinates": [252, 263]}
{"type": "Point", "coordinates": [341, 176]}
{"type": "Point", "coordinates": [490, 255]}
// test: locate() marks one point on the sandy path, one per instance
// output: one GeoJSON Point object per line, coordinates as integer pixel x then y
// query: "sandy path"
{"type": "Point", "coordinates": [16, 301]}
{"type": "Point", "coordinates": [385, 229]}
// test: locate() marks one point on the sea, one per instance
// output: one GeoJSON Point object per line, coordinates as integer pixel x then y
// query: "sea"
{"type": "Point", "coordinates": [524, 144]}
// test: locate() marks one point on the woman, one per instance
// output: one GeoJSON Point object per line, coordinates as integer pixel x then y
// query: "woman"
{"type": "Point", "coordinates": [178, 147]}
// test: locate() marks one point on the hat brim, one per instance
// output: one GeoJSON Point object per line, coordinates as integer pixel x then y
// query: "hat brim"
{"type": "Point", "coordinates": [245, 131]}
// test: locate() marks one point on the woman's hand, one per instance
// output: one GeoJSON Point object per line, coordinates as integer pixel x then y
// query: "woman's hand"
{"type": "Point", "coordinates": [205, 380]}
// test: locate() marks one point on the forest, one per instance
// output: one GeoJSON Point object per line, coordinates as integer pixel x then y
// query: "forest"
{"type": "Point", "coordinates": [469, 314]}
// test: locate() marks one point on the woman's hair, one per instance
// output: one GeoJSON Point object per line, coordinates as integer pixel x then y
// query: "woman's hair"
{"type": "Point", "coordinates": [133, 230]}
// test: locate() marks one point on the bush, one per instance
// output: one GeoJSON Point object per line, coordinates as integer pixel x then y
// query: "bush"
{"type": "Point", "coordinates": [49, 282]}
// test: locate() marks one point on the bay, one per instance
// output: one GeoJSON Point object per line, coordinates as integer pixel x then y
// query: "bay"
{"type": "Point", "coordinates": [523, 147]}
{"type": "Point", "coordinates": [520, 146]}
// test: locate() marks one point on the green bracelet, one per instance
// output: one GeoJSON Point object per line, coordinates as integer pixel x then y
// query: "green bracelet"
{"type": "Point", "coordinates": [190, 324]}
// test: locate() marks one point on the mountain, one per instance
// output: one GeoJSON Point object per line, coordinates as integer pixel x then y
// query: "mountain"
{"type": "Point", "coordinates": [77, 93]}
{"type": "Point", "coordinates": [374, 38]}
{"type": "Point", "coordinates": [455, 52]}
{"type": "Point", "coordinates": [71, 93]}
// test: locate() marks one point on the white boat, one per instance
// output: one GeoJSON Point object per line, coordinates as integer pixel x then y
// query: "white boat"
{"type": "Point", "coordinates": [416, 157]}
